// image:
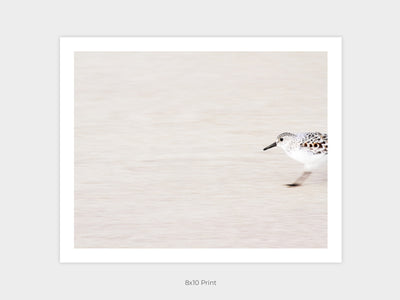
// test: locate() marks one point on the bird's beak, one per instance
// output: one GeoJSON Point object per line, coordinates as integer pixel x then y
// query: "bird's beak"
{"type": "Point", "coordinates": [270, 146]}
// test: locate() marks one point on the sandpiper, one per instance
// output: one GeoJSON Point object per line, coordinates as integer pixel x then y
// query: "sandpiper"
{"type": "Point", "coordinates": [309, 148]}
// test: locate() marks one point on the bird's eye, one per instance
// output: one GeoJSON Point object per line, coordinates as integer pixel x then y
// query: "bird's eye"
{"type": "Point", "coordinates": [281, 139]}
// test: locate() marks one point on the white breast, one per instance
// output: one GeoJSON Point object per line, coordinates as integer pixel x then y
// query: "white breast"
{"type": "Point", "coordinates": [307, 158]}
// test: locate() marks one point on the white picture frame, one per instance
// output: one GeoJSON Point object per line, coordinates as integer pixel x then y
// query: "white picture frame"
{"type": "Point", "coordinates": [70, 254]}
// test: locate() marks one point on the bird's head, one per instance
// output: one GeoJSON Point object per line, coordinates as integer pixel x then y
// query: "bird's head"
{"type": "Point", "coordinates": [282, 140]}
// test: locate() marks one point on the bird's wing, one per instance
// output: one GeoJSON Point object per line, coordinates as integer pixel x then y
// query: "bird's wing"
{"type": "Point", "coordinates": [315, 142]}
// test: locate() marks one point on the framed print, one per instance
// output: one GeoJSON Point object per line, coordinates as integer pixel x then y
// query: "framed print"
{"type": "Point", "coordinates": [200, 149]}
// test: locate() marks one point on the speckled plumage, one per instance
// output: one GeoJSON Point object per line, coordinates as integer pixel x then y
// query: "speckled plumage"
{"type": "Point", "coordinates": [313, 142]}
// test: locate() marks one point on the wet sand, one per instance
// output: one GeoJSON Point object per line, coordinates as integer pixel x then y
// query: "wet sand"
{"type": "Point", "coordinates": [168, 150]}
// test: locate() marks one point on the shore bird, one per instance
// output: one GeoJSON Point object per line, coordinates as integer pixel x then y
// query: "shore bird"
{"type": "Point", "coordinates": [309, 148]}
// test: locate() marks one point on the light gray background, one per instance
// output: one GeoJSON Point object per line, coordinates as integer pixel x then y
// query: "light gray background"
{"type": "Point", "coordinates": [29, 118]}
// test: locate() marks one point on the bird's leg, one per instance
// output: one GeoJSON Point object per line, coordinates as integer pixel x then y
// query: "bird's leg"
{"type": "Point", "coordinates": [300, 180]}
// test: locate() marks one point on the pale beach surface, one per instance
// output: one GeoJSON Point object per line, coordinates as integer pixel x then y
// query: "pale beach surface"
{"type": "Point", "coordinates": [168, 150]}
